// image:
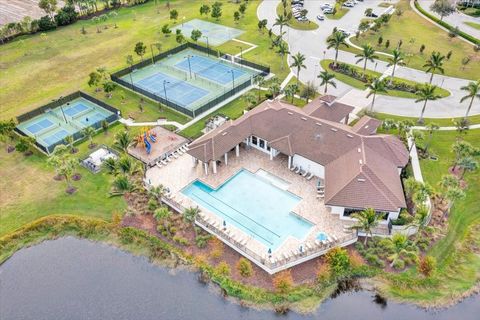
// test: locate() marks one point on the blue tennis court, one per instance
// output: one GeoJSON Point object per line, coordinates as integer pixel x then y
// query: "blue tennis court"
{"type": "Point", "coordinates": [178, 91]}
{"type": "Point", "coordinates": [213, 70]}
{"type": "Point", "coordinates": [55, 137]}
{"type": "Point", "coordinates": [75, 109]}
{"type": "Point", "coordinates": [91, 118]}
{"type": "Point", "coordinates": [40, 125]}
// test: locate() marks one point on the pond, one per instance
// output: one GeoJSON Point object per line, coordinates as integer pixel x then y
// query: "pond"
{"type": "Point", "coordinates": [70, 278]}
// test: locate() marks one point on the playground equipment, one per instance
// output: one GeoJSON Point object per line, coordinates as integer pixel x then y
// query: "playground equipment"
{"type": "Point", "coordinates": [145, 139]}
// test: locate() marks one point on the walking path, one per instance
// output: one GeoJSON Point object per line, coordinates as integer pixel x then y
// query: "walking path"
{"type": "Point", "coordinates": [312, 43]}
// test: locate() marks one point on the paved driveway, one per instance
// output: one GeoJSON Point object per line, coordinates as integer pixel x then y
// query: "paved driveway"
{"type": "Point", "coordinates": [313, 45]}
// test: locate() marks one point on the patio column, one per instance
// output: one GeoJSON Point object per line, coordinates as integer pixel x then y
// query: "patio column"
{"type": "Point", "coordinates": [271, 153]}
{"type": "Point", "coordinates": [237, 150]}
{"type": "Point", "coordinates": [205, 166]}
{"type": "Point", "coordinates": [226, 158]}
{"type": "Point", "coordinates": [194, 161]}
{"type": "Point", "coordinates": [214, 166]}
{"type": "Point", "coordinates": [289, 162]}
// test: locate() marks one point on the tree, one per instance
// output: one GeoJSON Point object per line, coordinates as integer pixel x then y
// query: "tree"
{"type": "Point", "coordinates": [204, 9]}
{"type": "Point", "coordinates": [395, 60]}
{"type": "Point", "coordinates": [290, 91]}
{"type": "Point", "coordinates": [426, 265]}
{"type": "Point", "coordinates": [262, 24]}
{"type": "Point", "coordinates": [122, 141]}
{"type": "Point", "coordinates": [7, 128]}
{"type": "Point", "coordinates": [338, 260]}
{"type": "Point", "coordinates": [425, 94]}
{"type": "Point", "coordinates": [453, 195]}
{"type": "Point", "coordinates": [190, 215]}
{"type": "Point", "coordinates": [49, 6]}
{"type": "Point", "coordinates": [274, 87]}
{"type": "Point", "coordinates": [415, 136]}
{"type": "Point", "coordinates": [173, 14]}
{"type": "Point", "coordinates": [89, 132]}
{"type": "Point", "coordinates": [463, 149]}
{"type": "Point", "coordinates": [250, 99]}
{"type": "Point", "coordinates": [162, 214]}
{"type": "Point", "coordinates": [242, 8]}
{"type": "Point", "coordinates": [179, 38]}
{"type": "Point", "coordinates": [70, 141]}
{"type": "Point", "coordinates": [121, 185]}
{"type": "Point", "coordinates": [401, 247]}
{"type": "Point", "coordinates": [244, 267]}
{"type": "Point", "coordinates": [467, 164]}
{"type": "Point", "coordinates": [196, 34]}
{"type": "Point", "coordinates": [432, 127]}
{"type": "Point", "coordinates": [166, 30]}
{"type": "Point", "coordinates": [236, 16]}
{"type": "Point", "coordinates": [110, 164]}
{"type": "Point", "coordinates": [108, 87]}
{"type": "Point", "coordinates": [94, 79]}
{"type": "Point", "coordinates": [140, 49]}
{"type": "Point", "coordinates": [217, 10]}
{"type": "Point", "coordinates": [389, 124]}
{"type": "Point", "coordinates": [24, 143]}
{"type": "Point", "coordinates": [473, 91]}
{"type": "Point", "coordinates": [376, 86]}
{"type": "Point", "coordinates": [434, 63]}
{"type": "Point", "coordinates": [308, 91]}
{"type": "Point", "coordinates": [443, 8]}
{"type": "Point", "coordinates": [368, 54]}
{"type": "Point", "coordinates": [366, 221]}
{"type": "Point", "coordinates": [66, 170]}
{"type": "Point", "coordinates": [298, 60]}
{"type": "Point", "coordinates": [259, 81]}
{"type": "Point", "coordinates": [327, 79]}
{"type": "Point", "coordinates": [280, 21]}
{"type": "Point", "coordinates": [282, 50]}
{"type": "Point", "coordinates": [404, 126]}
{"type": "Point", "coordinates": [336, 40]}
{"type": "Point", "coordinates": [283, 282]}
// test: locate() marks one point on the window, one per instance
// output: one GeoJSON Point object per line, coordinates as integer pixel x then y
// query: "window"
{"type": "Point", "coordinates": [261, 143]}
{"type": "Point", "coordinates": [268, 148]}
{"type": "Point", "coordinates": [254, 140]}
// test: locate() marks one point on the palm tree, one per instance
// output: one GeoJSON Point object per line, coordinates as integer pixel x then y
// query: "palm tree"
{"type": "Point", "coordinates": [122, 140]}
{"type": "Point", "coordinates": [366, 221]}
{"type": "Point", "coordinates": [401, 247]}
{"type": "Point", "coordinates": [290, 91]}
{"type": "Point", "coordinates": [190, 215]}
{"type": "Point", "coordinates": [110, 164]}
{"type": "Point", "coordinates": [327, 79]}
{"type": "Point", "coordinates": [473, 89]}
{"type": "Point", "coordinates": [282, 51]}
{"type": "Point", "coordinates": [250, 99]}
{"type": "Point", "coordinates": [274, 87]}
{"type": "Point", "coordinates": [467, 164]}
{"type": "Point", "coordinates": [415, 135]}
{"type": "Point", "coordinates": [157, 192]}
{"type": "Point", "coordinates": [395, 60]}
{"type": "Point", "coordinates": [425, 94]}
{"type": "Point", "coordinates": [434, 63]}
{"type": "Point", "coordinates": [421, 218]}
{"type": "Point", "coordinates": [453, 194]}
{"type": "Point", "coordinates": [66, 170]}
{"type": "Point", "coordinates": [163, 214]}
{"type": "Point", "coordinates": [368, 54]}
{"type": "Point", "coordinates": [335, 41]}
{"type": "Point", "coordinates": [70, 140]}
{"type": "Point", "coordinates": [126, 165]}
{"type": "Point", "coordinates": [259, 81]}
{"type": "Point", "coordinates": [298, 60]}
{"type": "Point", "coordinates": [377, 86]}
{"type": "Point", "coordinates": [88, 132]}
{"type": "Point", "coordinates": [431, 128]}
{"type": "Point", "coordinates": [281, 21]}
{"type": "Point", "coordinates": [122, 185]}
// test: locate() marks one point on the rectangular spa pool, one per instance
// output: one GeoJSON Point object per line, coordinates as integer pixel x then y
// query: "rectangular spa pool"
{"type": "Point", "coordinates": [254, 205]}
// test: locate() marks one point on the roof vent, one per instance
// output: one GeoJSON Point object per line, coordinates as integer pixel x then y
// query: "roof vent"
{"type": "Point", "coordinates": [318, 123]}
{"type": "Point", "coordinates": [361, 180]}
{"type": "Point", "coordinates": [290, 113]}
{"type": "Point", "coordinates": [303, 118]}
{"type": "Point", "coordinates": [366, 127]}
{"type": "Point", "coordinates": [224, 133]}
{"type": "Point", "coordinates": [333, 129]}
{"type": "Point", "coordinates": [360, 161]}
{"type": "Point", "coordinates": [349, 135]}
{"type": "Point", "coordinates": [359, 150]}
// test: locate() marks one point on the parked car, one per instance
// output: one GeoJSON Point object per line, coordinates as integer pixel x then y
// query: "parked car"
{"type": "Point", "coordinates": [348, 4]}
{"type": "Point", "coordinates": [326, 6]}
{"type": "Point", "coordinates": [328, 11]}
{"type": "Point", "coordinates": [320, 17]}
{"type": "Point", "coordinates": [372, 15]}
{"type": "Point", "coordinates": [345, 32]}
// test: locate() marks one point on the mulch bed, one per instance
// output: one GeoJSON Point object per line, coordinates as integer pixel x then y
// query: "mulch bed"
{"type": "Point", "coordinates": [303, 273]}
{"type": "Point", "coordinates": [71, 190]}
{"type": "Point", "coordinates": [76, 177]}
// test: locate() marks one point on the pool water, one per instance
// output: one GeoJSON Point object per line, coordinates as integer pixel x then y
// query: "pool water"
{"type": "Point", "coordinates": [254, 205]}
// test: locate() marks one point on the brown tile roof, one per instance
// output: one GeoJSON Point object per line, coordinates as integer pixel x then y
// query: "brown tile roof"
{"type": "Point", "coordinates": [328, 98]}
{"type": "Point", "coordinates": [331, 144]}
{"type": "Point", "coordinates": [367, 125]}
{"type": "Point", "coordinates": [335, 111]}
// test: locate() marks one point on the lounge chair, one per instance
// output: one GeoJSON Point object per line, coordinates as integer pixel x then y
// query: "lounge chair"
{"type": "Point", "coordinates": [321, 195]}
{"type": "Point", "coordinates": [298, 169]}
{"type": "Point", "coordinates": [179, 152]}
{"type": "Point", "coordinates": [293, 168]}
{"type": "Point", "coordinates": [159, 164]}
{"type": "Point", "coordinates": [168, 159]}
{"type": "Point", "coordinates": [310, 176]}
{"type": "Point", "coordinates": [335, 238]}
{"type": "Point", "coordinates": [305, 173]}
{"type": "Point", "coordinates": [163, 162]}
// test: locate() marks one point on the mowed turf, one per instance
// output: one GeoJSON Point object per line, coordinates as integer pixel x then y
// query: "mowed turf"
{"type": "Point", "coordinates": [39, 68]}
{"type": "Point", "coordinates": [414, 31]}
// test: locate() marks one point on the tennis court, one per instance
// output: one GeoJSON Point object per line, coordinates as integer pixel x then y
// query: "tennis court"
{"type": "Point", "coordinates": [55, 137]}
{"type": "Point", "coordinates": [40, 125]}
{"type": "Point", "coordinates": [214, 70]}
{"type": "Point", "coordinates": [176, 90]}
{"type": "Point", "coordinates": [75, 109]}
{"type": "Point", "coordinates": [217, 34]}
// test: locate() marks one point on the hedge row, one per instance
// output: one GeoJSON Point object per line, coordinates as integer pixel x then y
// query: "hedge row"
{"type": "Point", "coordinates": [446, 25]}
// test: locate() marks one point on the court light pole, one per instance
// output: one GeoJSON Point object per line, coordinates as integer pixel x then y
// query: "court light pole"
{"type": "Point", "coordinates": [165, 89]}
{"type": "Point", "coordinates": [189, 65]}
{"type": "Point", "coordinates": [241, 51]}
{"type": "Point", "coordinates": [233, 79]}
{"type": "Point", "coordinates": [207, 45]}
{"type": "Point", "coordinates": [151, 50]}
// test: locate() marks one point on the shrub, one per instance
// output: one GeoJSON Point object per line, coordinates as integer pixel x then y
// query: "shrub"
{"type": "Point", "coordinates": [223, 269]}
{"type": "Point", "coordinates": [338, 260]}
{"type": "Point", "coordinates": [283, 282]}
{"type": "Point", "coordinates": [355, 259]}
{"type": "Point", "coordinates": [398, 264]}
{"type": "Point", "coordinates": [323, 273]}
{"type": "Point", "coordinates": [152, 204]}
{"type": "Point", "coordinates": [46, 23]}
{"type": "Point", "coordinates": [374, 260]}
{"type": "Point", "coordinates": [426, 265]}
{"type": "Point", "coordinates": [66, 15]}
{"type": "Point", "coordinates": [244, 267]}
{"type": "Point", "coordinates": [217, 248]}
{"type": "Point", "coordinates": [181, 240]}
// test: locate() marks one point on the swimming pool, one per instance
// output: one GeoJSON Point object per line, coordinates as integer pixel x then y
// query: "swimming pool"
{"type": "Point", "coordinates": [254, 205]}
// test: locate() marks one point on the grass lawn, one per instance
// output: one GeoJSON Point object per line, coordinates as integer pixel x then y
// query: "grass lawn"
{"type": "Point", "coordinates": [385, 4]}
{"type": "Point", "coordinates": [414, 31]}
{"type": "Point", "coordinates": [457, 262]}
{"type": "Point", "coordinates": [294, 23]}
{"type": "Point", "coordinates": [296, 101]}
{"type": "Point", "coordinates": [361, 85]}
{"type": "Point", "coordinates": [28, 190]}
{"type": "Point", "coordinates": [233, 110]}
{"type": "Point", "coordinates": [37, 69]}
{"type": "Point", "coordinates": [474, 12]}
{"type": "Point", "coordinates": [341, 11]}
{"type": "Point", "coordinates": [473, 24]}
{"type": "Point", "coordinates": [442, 122]}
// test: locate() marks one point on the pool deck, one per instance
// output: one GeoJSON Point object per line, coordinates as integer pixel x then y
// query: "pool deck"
{"type": "Point", "coordinates": [181, 172]}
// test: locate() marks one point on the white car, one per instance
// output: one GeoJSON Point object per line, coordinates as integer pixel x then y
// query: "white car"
{"type": "Point", "coordinates": [345, 32]}
{"type": "Point", "coordinates": [348, 4]}
{"type": "Point", "coordinates": [320, 17]}
{"type": "Point", "coordinates": [327, 10]}
{"type": "Point", "coordinates": [326, 6]}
